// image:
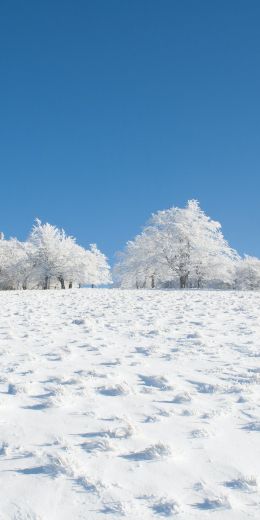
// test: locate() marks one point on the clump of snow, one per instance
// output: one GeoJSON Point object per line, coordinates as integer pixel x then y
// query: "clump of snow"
{"type": "Point", "coordinates": [96, 445]}
{"type": "Point", "coordinates": [182, 397]}
{"type": "Point", "coordinates": [114, 508]}
{"type": "Point", "coordinates": [121, 432]}
{"type": "Point", "coordinates": [79, 321]}
{"type": "Point", "coordinates": [166, 507]}
{"type": "Point", "coordinates": [253, 426]}
{"type": "Point", "coordinates": [156, 381]}
{"type": "Point", "coordinates": [155, 452]}
{"type": "Point", "coordinates": [114, 390]}
{"type": "Point", "coordinates": [243, 483]}
{"type": "Point", "coordinates": [200, 433]}
{"type": "Point", "coordinates": [221, 502]}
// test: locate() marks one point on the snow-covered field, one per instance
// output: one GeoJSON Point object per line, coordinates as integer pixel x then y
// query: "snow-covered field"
{"type": "Point", "coordinates": [129, 404]}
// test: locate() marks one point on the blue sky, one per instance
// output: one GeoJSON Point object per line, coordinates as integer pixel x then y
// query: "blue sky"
{"type": "Point", "coordinates": [110, 110]}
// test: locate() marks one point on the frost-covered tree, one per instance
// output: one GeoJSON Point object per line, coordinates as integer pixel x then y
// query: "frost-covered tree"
{"type": "Point", "coordinates": [247, 275]}
{"type": "Point", "coordinates": [49, 253]}
{"type": "Point", "coordinates": [8, 259]}
{"type": "Point", "coordinates": [48, 259]}
{"type": "Point", "coordinates": [99, 273]}
{"type": "Point", "coordinates": [57, 257]}
{"type": "Point", "coordinates": [178, 246]}
{"type": "Point", "coordinates": [15, 267]}
{"type": "Point", "coordinates": [137, 265]}
{"type": "Point", "coordinates": [22, 270]}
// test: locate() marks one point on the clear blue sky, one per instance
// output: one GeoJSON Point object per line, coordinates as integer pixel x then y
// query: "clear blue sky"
{"type": "Point", "coordinates": [112, 109]}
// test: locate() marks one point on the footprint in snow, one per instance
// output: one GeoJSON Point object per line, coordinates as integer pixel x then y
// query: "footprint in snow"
{"type": "Point", "coordinates": [121, 432]}
{"type": "Point", "coordinates": [53, 467]}
{"type": "Point", "coordinates": [113, 391]}
{"type": "Point", "coordinates": [160, 382]}
{"type": "Point", "coordinates": [114, 508]}
{"type": "Point", "coordinates": [144, 351]}
{"type": "Point", "coordinates": [252, 426]}
{"type": "Point", "coordinates": [4, 448]}
{"type": "Point", "coordinates": [24, 514]}
{"type": "Point", "coordinates": [193, 335]}
{"type": "Point", "coordinates": [246, 484]}
{"type": "Point", "coordinates": [214, 503]}
{"type": "Point", "coordinates": [166, 507]}
{"type": "Point", "coordinates": [80, 321]}
{"type": "Point", "coordinates": [37, 406]}
{"type": "Point", "coordinates": [199, 434]}
{"type": "Point", "coordinates": [111, 363]}
{"type": "Point", "coordinates": [12, 389]}
{"type": "Point", "coordinates": [183, 397]}
{"type": "Point", "coordinates": [96, 445]}
{"type": "Point", "coordinates": [205, 388]}
{"type": "Point", "coordinates": [185, 412]}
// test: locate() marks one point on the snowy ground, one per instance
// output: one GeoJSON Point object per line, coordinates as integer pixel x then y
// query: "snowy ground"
{"type": "Point", "coordinates": [129, 404]}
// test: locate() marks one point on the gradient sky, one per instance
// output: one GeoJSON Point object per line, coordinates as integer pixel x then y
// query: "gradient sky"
{"type": "Point", "coordinates": [113, 109]}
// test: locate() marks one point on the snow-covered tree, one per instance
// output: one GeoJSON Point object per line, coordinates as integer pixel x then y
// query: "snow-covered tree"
{"type": "Point", "coordinates": [8, 258]}
{"type": "Point", "coordinates": [248, 274]}
{"type": "Point", "coordinates": [100, 270]}
{"type": "Point", "coordinates": [49, 253]}
{"type": "Point", "coordinates": [15, 267]}
{"type": "Point", "coordinates": [48, 259]}
{"type": "Point", "coordinates": [137, 264]}
{"type": "Point", "coordinates": [57, 257]}
{"type": "Point", "coordinates": [177, 245]}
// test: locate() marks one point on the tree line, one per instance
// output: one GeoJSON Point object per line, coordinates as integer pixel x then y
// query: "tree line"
{"type": "Point", "coordinates": [177, 248]}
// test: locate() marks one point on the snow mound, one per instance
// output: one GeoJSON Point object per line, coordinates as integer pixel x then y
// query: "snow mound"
{"type": "Point", "coordinates": [156, 381]}
{"type": "Point", "coordinates": [247, 484]}
{"type": "Point", "coordinates": [221, 502]}
{"type": "Point", "coordinates": [155, 452]}
{"type": "Point", "coordinates": [182, 397]}
{"type": "Point", "coordinates": [114, 390]}
{"type": "Point", "coordinates": [166, 507]}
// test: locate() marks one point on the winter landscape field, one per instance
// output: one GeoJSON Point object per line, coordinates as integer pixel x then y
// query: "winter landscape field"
{"type": "Point", "coordinates": [134, 404]}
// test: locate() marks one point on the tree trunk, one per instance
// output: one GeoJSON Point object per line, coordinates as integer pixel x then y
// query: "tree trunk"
{"type": "Point", "coordinates": [46, 284]}
{"type": "Point", "coordinates": [62, 283]}
{"type": "Point", "coordinates": [152, 282]}
{"type": "Point", "coordinates": [70, 285]}
{"type": "Point", "coordinates": [183, 281]}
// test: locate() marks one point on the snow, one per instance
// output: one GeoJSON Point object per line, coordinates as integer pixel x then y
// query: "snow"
{"type": "Point", "coordinates": [129, 404]}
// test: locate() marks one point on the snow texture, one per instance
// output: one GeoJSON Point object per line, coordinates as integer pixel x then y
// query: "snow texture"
{"type": "Point", "coordinates": [129, 404]}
